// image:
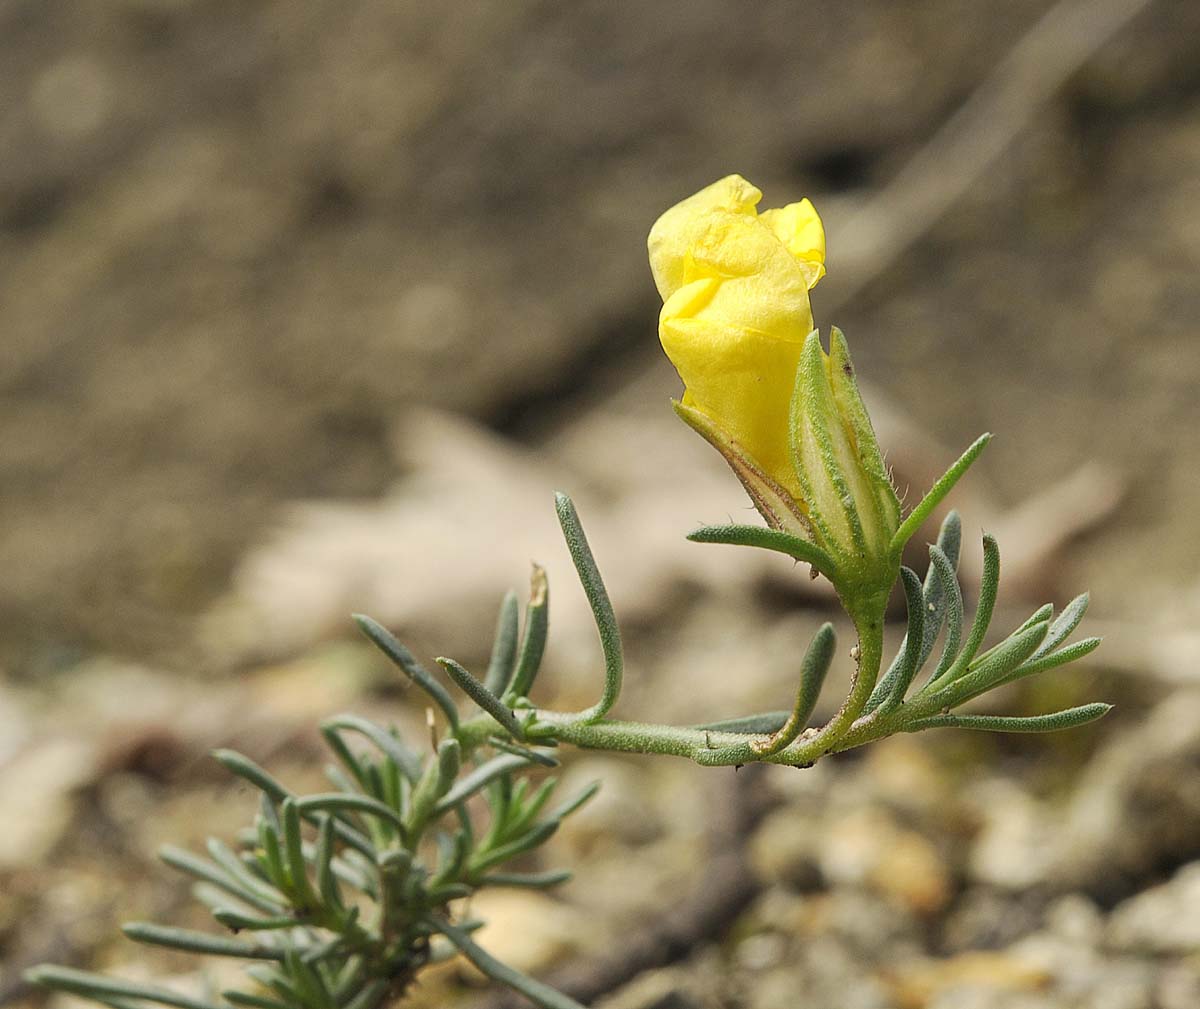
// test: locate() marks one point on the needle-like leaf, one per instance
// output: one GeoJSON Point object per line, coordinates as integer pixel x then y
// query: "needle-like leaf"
{"type": "Point", "coordinates": [937, 493]}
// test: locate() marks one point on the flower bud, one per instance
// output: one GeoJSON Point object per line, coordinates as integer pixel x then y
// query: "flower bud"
{"type": "Point", "coordinates": [852, 506]}
{"type": "Point", "coordinates": [737, 324]}
{"type": "Point", "coordinates": [735, 314]}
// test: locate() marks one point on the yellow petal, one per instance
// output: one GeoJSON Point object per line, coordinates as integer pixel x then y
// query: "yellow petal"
{"type": "Point", "coordinates": [742, 380]}
{"type": "Point", "coordinates": [677, 231]}
{"type": "Point", "coordinates": [802, 233]}
{"type": "Point", "coordinates": [736, 311]}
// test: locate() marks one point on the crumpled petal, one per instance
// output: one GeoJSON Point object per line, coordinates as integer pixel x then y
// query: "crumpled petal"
{"type": "Point", "coordinates": [736, 312]}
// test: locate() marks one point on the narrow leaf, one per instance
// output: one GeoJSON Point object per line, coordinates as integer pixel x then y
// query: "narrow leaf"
{"type": "Point", "coordinates": [952, 595]}
{"type": "Point", "coordinates": [327, 884]}
{"type": "Point", "coordinates": [195, 866]}
{"type": "Point", "coordinates": [235, 921]}
{"type": "Point", "coordinates": [325, 802]}
{"type": "Point", "coordinates": [1039, 616]}
{"type": "Point", "coordinates": [504, 647]}
{"type": "Point", "coordinates": [480, 694]}
{"type": "Point", "coordinates": [937, 493]}
{"type": "Point", "coordinates": [483, 775]}
{"type": "Point", "coordinates": [990, 671]}
{"type": "Point", "coordinates": [271, 855]}
{"type": "Point", "coordinates": [602, 611]}
{"type": "Point", "coordinates": [1035, 664]}
{"type": "Point", "coordinates": [571, 805]}
{"type": "Point", "coordinates": [527, 880]}
{"type": "Point", "coordinates": [521, 815]}
{"type": "Point", "coordinates": [97, 986]}
{"type": "Point", "coordinates": [890, 690]}
{"type": "Point", "coordinates": [271, 900]}
{"type": "Point", "coordinates": [812, 677]}
{"type": "Point", "coordinates": [533, 756]}
{"type": "Point", "coordinates": [533, 640]}
{"type": "Point", "coordinates": [359, 780]}
{"type": "Point", "coordinates": [249, 1001]}
{"type": "Point", "coordinates": [950, 543]}
{"type": "Point", "coordinates": [988, 588]}
{"type": "Point", "coordinates": [198, 942]}
{"type": "Point", "coordinates": [540, 994]}
{"type": "Point", "coordinates": [452, 859]}
{"type": "Point", "coordinates": [408, 762]}
{"type": "Point", "coordinates": [274, 979]}
{"type": "Point", "coordinates": [534, 837]}
{"type": "Point", "coordinates": [1068, 719]}
{"type": "Point", "coordinates": [435, 783]}
{"type": "Point", "coordinates": [371, 995]}
{"type": "Point", "coordinates": [1065, 623]}
{"type": "Point", "coordinates": [402, 657]}
{"type": "Point", "coordinates": [767, 539]}
{"type": "Point", "coordinates": [246, 768]}
{"type": "Point", "coordinates": [750, 725]}
{"type": "Point", "coordinates": [293, 849]}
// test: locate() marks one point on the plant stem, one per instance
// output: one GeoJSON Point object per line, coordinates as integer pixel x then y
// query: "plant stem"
{"type": "Point", "coordinates": [713, 747]}
{"type": "Point", "coordinates": [868, 623]}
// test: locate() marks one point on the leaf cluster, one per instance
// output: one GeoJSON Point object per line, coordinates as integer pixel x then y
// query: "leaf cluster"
{"type": "Point", "coordinates": [339, 898]}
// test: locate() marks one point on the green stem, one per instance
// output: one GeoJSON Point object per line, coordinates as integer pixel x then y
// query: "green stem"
{"type": "Point", "coordinates": [713, 747]}
{"type": "Point", "coordinates": [868, 623]}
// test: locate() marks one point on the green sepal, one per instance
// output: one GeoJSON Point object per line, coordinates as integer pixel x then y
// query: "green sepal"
{"type": "Point", "coordinates": [854, 415]}
{"type": "Point", "coordinates": [820, 450]}
{"type": "Point", "coordinates": [848, 493]}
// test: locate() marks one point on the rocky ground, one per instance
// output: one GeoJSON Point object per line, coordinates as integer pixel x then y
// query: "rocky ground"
{"type": "Point", "coordinates": [308, 312]}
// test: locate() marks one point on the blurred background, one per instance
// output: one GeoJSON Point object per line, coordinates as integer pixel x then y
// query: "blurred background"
{"type": "Point", "coordinates": [308, 308]}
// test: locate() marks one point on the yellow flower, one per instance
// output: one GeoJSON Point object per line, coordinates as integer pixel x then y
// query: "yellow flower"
{"type": "Point", "coordinates": [786, 415]}
{"type": "Point", "coordinates": [735, 314]}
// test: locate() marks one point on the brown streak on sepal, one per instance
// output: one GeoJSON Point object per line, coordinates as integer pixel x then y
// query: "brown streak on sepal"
{"type": "Point", "coordinates": [780, 510]}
